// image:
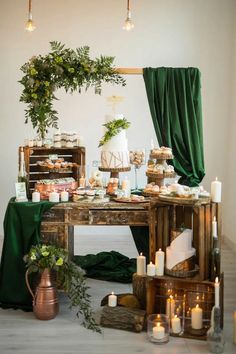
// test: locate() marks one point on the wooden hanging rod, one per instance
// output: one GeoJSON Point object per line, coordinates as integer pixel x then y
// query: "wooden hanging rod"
{"type": "Point", "coordinates": [129, 71]}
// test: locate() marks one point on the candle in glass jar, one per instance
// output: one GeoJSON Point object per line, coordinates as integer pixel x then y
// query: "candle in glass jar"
{"type": "Point", "coordinates": [217, 292]}
{"type": "Point", "coordinates": [35, 197]}
{"type": "Point", "coordinates": [175, 324]}
{"type": "Point", "coordinates": [159, 262]}
{"type": "Point", "coordinates": [216, 191]}
{"type": "Point", "coordinates": [196, 317]}
{"type": "Point", "coordinates": [141, 265]}
{"type": "Point", "coordinates": [151, 269]}
{"type": "Point", "coordinates": [170, 307]}
{"type": "Point", "coordinates": [158, 331]}
{"type": "Point", "coordinates": [54, 197]}
{"type": "Point", "coordinates": [112, 300]}
{"type": "Point", "coordinates": [64, 196]}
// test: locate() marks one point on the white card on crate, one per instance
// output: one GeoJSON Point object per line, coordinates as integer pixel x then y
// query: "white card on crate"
{"type": "Point", "coordinates": [21, 192]}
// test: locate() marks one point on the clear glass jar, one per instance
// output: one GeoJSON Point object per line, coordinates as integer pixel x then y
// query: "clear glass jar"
{"type": "Point", "coordinates": [158, 328]}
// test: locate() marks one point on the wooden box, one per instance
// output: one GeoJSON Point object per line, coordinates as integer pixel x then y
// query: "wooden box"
{"type": "Point", "coordinates": [75, 155]}
{"type": "Point", "coordinates": [197, 216]}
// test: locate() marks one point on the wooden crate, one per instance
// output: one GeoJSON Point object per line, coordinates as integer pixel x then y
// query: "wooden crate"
{"type": "Point", "coordinates": [34, 154]}
{"type": "Point", "coordinates": [165, 216]}
{"type": "Point", "coordinates": [158, 290]}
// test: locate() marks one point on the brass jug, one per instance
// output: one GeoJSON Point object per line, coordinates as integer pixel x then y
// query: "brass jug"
{"type": "Point", "coordinates": [45, 299]}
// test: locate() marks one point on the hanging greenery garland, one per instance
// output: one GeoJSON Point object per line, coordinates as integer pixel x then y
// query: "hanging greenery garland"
{"type": "Point", "coordinates": [62, 67]}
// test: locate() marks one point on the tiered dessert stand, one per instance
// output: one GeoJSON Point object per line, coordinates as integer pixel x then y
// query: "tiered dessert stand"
{"type": "Point", "coordinates": [155, 176]}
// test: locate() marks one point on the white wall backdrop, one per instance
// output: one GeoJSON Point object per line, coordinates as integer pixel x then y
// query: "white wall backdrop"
{"type": "Point", "coordinates": [178, 33]}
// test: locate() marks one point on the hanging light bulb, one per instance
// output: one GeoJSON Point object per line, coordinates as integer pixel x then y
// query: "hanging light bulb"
{"type": "Point", "coordinates": [30, 26]}
{"type": "Point", "coordinates": [128, 25]}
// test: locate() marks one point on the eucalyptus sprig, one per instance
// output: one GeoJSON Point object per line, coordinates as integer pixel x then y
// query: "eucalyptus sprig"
{"type": "Point", "coordinates": [69, 276]}
{"type": "Point", "coordinates": [113, 127]}
{"type": "Point", "coordinates": [62, 67]}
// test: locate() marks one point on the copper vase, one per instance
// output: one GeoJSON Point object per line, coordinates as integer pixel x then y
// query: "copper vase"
{"type": "Point", "coordinates": [45, 299]}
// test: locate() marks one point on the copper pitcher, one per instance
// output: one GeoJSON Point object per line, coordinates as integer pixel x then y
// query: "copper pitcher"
{"type": "Point", "coordinates": [45, 299]}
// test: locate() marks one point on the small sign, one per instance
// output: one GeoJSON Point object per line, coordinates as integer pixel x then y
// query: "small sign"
{"type": "Point", "coordinates": [53, 157]}
{"type": "Point", "coordinates": [21, 192]}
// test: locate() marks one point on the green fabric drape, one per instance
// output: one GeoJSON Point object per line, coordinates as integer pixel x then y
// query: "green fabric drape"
{"type": "Point", "coordinates": [21, 231]}
{"type": "Point", "coordinates": [111, 266]}
{"type": "Point", "coordinates": [174, 96]}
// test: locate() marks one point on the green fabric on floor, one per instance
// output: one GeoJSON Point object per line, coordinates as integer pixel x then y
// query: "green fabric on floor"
{"type": "Point", "coordinates": [21, 231]}
{"type": "Point", "coordinates": [111, 266]}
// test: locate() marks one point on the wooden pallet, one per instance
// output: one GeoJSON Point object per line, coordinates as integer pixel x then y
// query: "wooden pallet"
{"type": "Point", "coordinates": [35, 173]}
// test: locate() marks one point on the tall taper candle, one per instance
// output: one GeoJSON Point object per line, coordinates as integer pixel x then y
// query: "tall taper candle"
{"type": "Point", "coordinates": [214, 227]}
{"type": "Point", "coordinates": [217, 293]}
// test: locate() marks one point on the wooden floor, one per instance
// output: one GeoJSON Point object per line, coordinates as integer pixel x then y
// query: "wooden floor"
{"type": "Point", "coordinates": [21, 333]}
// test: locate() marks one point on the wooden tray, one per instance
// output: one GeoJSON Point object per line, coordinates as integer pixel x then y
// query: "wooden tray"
{"type": "Point", "coordinates": [121, 200]}
{"type": "Point", "coordinates": [181, 200]}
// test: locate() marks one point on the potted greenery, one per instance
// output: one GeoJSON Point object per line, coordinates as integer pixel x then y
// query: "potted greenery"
{"type": "Point", "coordinates": [47, 258]}
{"type": "Point", "coordinates": [62, 67]}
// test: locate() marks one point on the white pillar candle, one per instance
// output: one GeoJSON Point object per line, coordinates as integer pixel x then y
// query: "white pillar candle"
{"type": "Point", "coordinates": [112, 300]}
{"type": "Point", "coordinates": [216, 191]}
{"type": "Point", "coordinates": [35, 197]}
{"type": "Point", "coordinates": [54, 197]}
{"type": "Point", "coordinates": [170, 307]}
{"type": "Point", "coordinates": [234, 327]}
{"type": "Point", "coordinates": [158, 331]}
{"type": "Point", "coordinates": [175, 324]}
{"type": "Point", "coordinates": [159, 262]}
{"type": "Point", "coordinates": [64, 196]}
{"type": "Point", "coordinates": [141, 265]}
{"type": "Point", "coordinates": [196, 317]}
{"type": "Point", "coordinates": [82, 182]}
{"type": "Point", "coordinates": [151, 269]}
{"type": "Point", "coordinates": [214, 227]}
{"type": "Point", "coordinates": [217, 293]}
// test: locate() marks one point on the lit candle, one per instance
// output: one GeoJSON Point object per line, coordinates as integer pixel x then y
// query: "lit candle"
{"type": "Point", "coordinates": [158, 331]}
{"type": "Point", "coordinates": [125, 186]}
{"type": "Point", "coordinates": [170, 307]}
{"type": "Point", "coordinates": [196, 317]}
{"type": "Point", "coordinates": [54, 197]}
{"type": "Point", "coordinates": [82, 182]}
{"type": "Point", "coordinates": [112, 300]}
{"type": "Point", "coordinates": [234, 327]}
{"type": "Point", "coordinates": [175, 324]}
{"type": "Point", "coordinates": [35, 197]}
{"type": "Point", "coordinates": [214, 227]}
{"type": "Point", "coordinates": [216, 191]}
{"type": "Point", "coordinates": [141, 265]}
{"type": "Point", "coordinates": [217, 293]}
{"type": "Point", "coordinates": [64, 196]}
{"type": "Point", "coordinates": [159, 262]}
{"type": "Point", "coordinates": [151, 269]}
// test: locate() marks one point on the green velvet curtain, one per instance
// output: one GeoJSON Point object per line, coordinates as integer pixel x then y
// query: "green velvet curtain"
{"type": "Point", "coordinates": [174, 96]}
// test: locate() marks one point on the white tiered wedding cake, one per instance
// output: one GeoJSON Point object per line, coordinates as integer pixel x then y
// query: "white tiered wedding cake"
{"type": "Point", "coordinates": [115, 153]}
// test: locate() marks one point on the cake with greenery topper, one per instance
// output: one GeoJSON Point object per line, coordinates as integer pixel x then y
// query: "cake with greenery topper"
{"type": "Point", "coordinates": [115, 153]}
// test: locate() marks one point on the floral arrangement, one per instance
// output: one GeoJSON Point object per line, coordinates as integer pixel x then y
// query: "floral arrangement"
{"type": "Point", "coordinates": [69, 276]}
{"type": "Point", "coordinates": [62, 67]}
{"type": "Point", "coordinates": [113, 127]}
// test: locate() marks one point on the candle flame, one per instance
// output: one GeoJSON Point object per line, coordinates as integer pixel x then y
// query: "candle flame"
{"type": "Point", "coordinates": [197, 297]}
{"type": "Point", "coordinates": [158, 316]}
{"type": "Point", "coordinates": [197, 306]}
{"type": "Point", "coordinates": [141, 253]}
{"type": "Point", "coordinates": [159, 249]}
{"type": "Point", "coordinates": [151, 262]}
{"type": "Point", "coordinates": [214, 219]}
{"type": "Point", "coordinates": [216, 178]}
{"type": "Point", "coordinates": [171, 297]}
{"type": "Point", "coordinates": [217, 280]}
{"type": "Point", "coordinates": [158, 324]}
{"type": "Point", "coordinates": [112, 293]}
{"type": "Point", "coordinates": [175, 316]}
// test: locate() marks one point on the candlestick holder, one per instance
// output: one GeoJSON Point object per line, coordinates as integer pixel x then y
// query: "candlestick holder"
{"type": "Point", "coordinates": [158, 328]}
{"type": "Point", "coordinates": [215, 337]}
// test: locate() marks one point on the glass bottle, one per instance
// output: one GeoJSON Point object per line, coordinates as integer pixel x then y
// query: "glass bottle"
{"type": "Point", "coordinates": [215, 337]}
{"type": "Point", "coordinates": [215, 260]}
{"type": "Point", "coordinates": [22, 174]}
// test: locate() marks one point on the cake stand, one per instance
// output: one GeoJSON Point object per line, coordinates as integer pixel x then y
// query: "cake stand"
{"type": "Point", "coordinates": [114, 171]}
{"type": "Point", "coordinates": [159, 178]}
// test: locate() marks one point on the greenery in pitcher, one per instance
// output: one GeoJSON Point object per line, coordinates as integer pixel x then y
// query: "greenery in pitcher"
{"type": "Point", "coordinates": [62, 67]}
{"type": "Point", "coordinates": [69, 276]}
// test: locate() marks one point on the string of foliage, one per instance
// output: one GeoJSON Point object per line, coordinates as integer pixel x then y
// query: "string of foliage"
{"type": "Point", "coordinates": [62, 67]}
{"type": "Point", "coordinates": [113, 128]}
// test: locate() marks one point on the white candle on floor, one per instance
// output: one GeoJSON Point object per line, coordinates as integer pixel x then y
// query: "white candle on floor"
{"type": "Point", "coordinates": [151, 269]}
{"type": "Point", "coordinates": [158, 331]}
{"type": "Point", "coordinates": [196, 317]}
{"type": "Point", "coordinates": [141, 265]}
{"type": "Point", "coordinates": [216, 191]}
{"type": "Point", "coordinates": [112, 300]}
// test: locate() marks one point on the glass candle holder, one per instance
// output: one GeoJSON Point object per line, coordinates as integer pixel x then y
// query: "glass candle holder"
{"type": "Point", "coordinates": [175, 312]}
{"type": "Point", "coordinates": [158, 328]}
